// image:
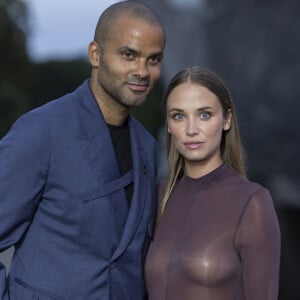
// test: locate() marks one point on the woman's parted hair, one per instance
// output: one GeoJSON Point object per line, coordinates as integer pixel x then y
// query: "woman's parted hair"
{"type": "Point", "coordinates": [231, 148]}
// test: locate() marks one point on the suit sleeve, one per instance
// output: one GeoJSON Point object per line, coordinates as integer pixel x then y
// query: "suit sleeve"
{"type": "Point", "coordinates": [258, 238]}
{"type": "Point", "coordinates": [24, 159]}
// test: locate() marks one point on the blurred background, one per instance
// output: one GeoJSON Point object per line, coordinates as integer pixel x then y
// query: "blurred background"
{"type": "Point", "coordinates": [254, 46]}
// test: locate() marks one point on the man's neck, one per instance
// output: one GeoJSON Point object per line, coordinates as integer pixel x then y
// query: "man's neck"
{"type": "Point", "coordinates": [114, 113]}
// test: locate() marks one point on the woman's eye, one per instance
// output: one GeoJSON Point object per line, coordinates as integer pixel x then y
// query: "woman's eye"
{"type": "Point", "coordinates": [178, 116]}
{"type": "Point", "coordinates": [204, 115]}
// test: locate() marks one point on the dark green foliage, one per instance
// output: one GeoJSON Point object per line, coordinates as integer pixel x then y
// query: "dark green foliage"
{"type": "Point", "coordinates": [53, 79]}
{"type": "Point", "coordinates": [24, 84]}
{"type": "Point", "coordinates": [16, 68]}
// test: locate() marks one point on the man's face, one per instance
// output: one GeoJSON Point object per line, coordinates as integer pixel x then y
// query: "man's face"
{"type": "Point", "coordinates": [130, 61]}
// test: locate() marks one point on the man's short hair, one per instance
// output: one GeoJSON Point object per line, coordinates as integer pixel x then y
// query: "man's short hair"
{"type": "Point", "coordinates": [134, 9]}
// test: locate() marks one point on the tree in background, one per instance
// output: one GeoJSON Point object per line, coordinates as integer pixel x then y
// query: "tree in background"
{"type": "Point", "coordinates": [16, 68]}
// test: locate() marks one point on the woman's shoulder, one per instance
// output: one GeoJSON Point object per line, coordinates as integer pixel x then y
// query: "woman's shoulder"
{"type": "Point", "coordinates": [245, 187]}
{"type": "Point", "coordinates": [237, 179]}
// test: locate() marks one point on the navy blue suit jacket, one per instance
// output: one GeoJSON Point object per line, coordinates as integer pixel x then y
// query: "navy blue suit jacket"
{"type": "Point", "coordinates": [64, 208]}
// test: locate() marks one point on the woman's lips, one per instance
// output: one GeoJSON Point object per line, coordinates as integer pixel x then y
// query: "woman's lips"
{"type": "Point", "coordinates": [193, 145]}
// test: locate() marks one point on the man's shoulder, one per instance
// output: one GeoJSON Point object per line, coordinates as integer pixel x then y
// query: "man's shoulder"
{"type": "Point", "coordinates": [54, 114]}
{"type": "Point", "coordinates": [63, 102]}
{"type": "Point", "coordinates": [60, 108]}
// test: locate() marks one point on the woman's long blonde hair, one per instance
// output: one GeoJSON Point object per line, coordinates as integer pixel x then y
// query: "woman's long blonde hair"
{"type": "Point", "coordinates": [231, 147]}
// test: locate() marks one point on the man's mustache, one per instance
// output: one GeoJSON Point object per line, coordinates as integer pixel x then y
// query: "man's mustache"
{"type": "Point", "coordinates": [138, 80]}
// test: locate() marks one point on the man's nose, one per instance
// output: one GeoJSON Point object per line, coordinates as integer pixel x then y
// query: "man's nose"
{"type": "Point", "coordinates": [142, 69]}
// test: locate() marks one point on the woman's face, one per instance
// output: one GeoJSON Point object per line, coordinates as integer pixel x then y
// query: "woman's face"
{"type": "Point", "coordinates": [196, 122]}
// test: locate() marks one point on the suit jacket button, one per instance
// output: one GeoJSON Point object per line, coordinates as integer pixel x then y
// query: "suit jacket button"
{"type": "Point", "coordinates": [112, 265]}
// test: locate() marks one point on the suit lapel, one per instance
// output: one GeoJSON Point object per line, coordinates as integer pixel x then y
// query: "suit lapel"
{"type": "Point", "coordinates": [95, 141]}
{"type": "Point", "coordinates": [94, 137]}
{"type": "Point", "coordinates": [100, 155]}
{"type": "Point", "coordinates": [140, 191]}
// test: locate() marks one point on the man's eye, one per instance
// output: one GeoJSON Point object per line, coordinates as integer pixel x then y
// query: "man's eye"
{"type": "Point", "coordinates": [204, 115]}
{"type": "Point", "coordinates": [154, 60]}
{"type": "Point", "coordinates": [128, 55]}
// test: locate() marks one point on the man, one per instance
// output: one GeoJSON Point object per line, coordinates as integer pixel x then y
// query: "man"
{"type": "Point", "coordinates": [77, 175]}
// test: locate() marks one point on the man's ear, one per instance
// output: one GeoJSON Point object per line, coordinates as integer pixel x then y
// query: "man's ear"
{"type": "Point", "coordinates": [94, 53]}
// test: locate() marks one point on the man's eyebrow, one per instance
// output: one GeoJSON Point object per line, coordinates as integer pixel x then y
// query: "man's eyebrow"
{"type": "Point", "coordinates": [127, 49]}
{"type": "Point", "coordinates": [159, 54]}
{"type": "Point", "coordinates": [123, 49]}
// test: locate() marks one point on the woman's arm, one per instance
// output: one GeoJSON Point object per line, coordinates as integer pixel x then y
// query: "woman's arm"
{"type": "Point", "coordinates": [258, 241]}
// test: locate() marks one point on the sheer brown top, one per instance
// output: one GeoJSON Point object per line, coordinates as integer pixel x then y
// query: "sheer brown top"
{"type": "Point", "coordinates": [218, 239]}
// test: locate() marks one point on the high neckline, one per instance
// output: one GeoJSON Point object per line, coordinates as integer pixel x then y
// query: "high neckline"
{"type": "Point", "coordinates": [206, 180]}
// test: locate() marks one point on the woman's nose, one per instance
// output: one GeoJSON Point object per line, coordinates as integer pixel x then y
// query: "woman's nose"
{"type": "Point", "coordinates": [192, 128]}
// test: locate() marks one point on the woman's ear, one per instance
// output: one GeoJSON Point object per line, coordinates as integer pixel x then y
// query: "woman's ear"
{"type": "Point", "coordinates": [227, 121]}
{"type": "Point", "coordinates": [94, 53]}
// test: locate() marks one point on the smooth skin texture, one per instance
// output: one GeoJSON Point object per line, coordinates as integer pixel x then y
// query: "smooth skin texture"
{"type": "Point", "coordinates": [196, 121]}
{"type": "Point", "coordinates": [126, 67]}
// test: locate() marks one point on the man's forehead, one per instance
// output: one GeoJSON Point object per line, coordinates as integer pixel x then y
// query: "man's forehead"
{"type": "Point", "coordinates": [129, 19]}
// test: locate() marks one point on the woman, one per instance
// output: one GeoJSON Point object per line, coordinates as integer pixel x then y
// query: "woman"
{"type": "Point", "coordinates": [217, 235]}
